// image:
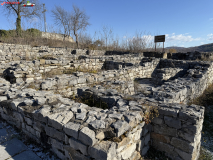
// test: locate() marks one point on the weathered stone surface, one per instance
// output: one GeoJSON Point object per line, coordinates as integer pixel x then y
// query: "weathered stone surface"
{"type": "Point", "coordinates": [78, 145]}
{"type": "Point", "coordinates": [81, 116]}
{"type": "Point", "coordinates": [183, 145]}
{"type": "Point", "coordinates": [163, 147]}
{"type": "Point", "coordinates": [128, 151]}
{"type": "Point", "coordinates": [157, 120]}
{"type": "Point", "coordinates": [71, 129]}
{"type": "Point", "coordinates": [168, 111]}
{"type": "Point", "coordinates": [72, 153]}
{"type": "Point", "coordinates": [97, 124]}
{"type": "Point", "coordinates": [57, 120]}
{"type": "Point", "coordinates": [104, 150]}
{"type": "Point", "coordinates": [172, 122]}
{"type": "Point", "coordinates": [56, 144]}
{"type": "Point", "coordinates": [144, 150]}
{"type": "Point", "coordinates": [120, 127]}
{"type": "Point", "coordinates": [100, 135]}
{"type": "Point", "coordinates": [87, 136]}
{"type": "Point", "coordinates": [54, 133]}
{"type": "Point", "coordinates": [147, 138]}
{"type": "Point", "coordinates": [160, 137]}
{"type": "Point", "coordinates": [121, 145]}
{"type": "Point", "coordinates": [165, 130]}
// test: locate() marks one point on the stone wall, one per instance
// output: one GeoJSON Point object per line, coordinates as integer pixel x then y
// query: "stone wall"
{"type": "Point", "coordinates": [56, 36]}
{"type": "Point", "coordinates": [118, 131]}
{"type": "Point", "coordinates": [177, 130]}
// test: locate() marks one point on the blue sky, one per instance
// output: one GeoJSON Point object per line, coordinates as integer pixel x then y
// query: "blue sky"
{"type": "Point", "coordinates": [185, 23]}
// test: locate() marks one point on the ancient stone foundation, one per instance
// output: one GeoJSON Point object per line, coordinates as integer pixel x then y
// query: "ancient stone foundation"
{"type": "Point", "coordinates": [104, 109]}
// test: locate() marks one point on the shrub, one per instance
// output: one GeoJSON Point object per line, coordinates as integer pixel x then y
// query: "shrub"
{"type": "Point", "coordinates": [33, 32]}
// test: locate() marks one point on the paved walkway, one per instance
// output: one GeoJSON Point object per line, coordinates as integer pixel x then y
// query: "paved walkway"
{"type": "Point", "coordinates": [11, 148]}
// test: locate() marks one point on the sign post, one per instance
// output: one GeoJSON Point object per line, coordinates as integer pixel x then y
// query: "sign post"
{"type": "Point", "coordinates": [160, 38]}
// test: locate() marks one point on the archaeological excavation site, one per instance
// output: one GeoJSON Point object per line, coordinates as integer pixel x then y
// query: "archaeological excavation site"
{"type": "Point", "coordinates": [105, 105]}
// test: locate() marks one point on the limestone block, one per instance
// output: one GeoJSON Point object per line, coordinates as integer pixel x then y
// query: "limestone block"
{"type": "Point", "coordinates": [71, 129]}
{"type": "Point", "coordinates": [120, 127]}
{"type": "Point", "coordinates": [172, 122]}
{"type": "Point", "coordinates": [54, 133]}
{"type": "Point", "coordinates": [28, 120]}
{"type": "Point", "coordinates": [157, 120]}
{"type": "Point", "coordinates": [100, 135]}
{"type": "Point", "coordinates": [165, 130]}
{"type": "Point", "coordinates": [87, 136]}
{"type": "Point", "coordinates": [71, 153]}
{"type": "Point", "coordinates": [57, 120]}
{"type": "Point", "coordinates": [56, 144]}
{"type": "Point", "coordinates": [183, 145]}
{"type": "Point", "coordinates": [128, 151]}
{"type": "Point", "coordinates": [97, 124]}
{"type": "Point", "coordinates": [104, 150]}
{"type": "Point", "coordinates": [160, 137]}
{"type": "Point", "coordinates": [121, 145]}
{"type": "Point", "coordinates": [144, 150]}
{"type": "Point", "coordinates": [78, 145]}
{"type": "Point", "coordinates": [146, 138]}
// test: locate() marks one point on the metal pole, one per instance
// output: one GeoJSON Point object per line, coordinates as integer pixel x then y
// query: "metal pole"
{"type": "Point", "coordinates": [155, 46]}
{"type": "Point", "coordinates": [45, 24]}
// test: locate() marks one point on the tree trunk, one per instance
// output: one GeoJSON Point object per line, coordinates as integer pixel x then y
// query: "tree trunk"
{"type": "Point", "coordinates": [18, 21]}
{"type": "Point", "coordinates": [76, 36]}
{"type": "Point", "coordinates": [18, 26]}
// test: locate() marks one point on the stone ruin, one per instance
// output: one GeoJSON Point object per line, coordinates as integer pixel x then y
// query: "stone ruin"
{"type": "Point", "coordinates": [123, 90]}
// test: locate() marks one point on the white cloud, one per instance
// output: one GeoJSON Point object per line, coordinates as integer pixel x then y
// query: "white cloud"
{"type": "Point", "coordinates": [210, 37]}
{"type": "Point", "coordinates": [180, 37]}
{"type": "Point", "coordinates": [201, 42]}
{"type": "Point", "coordinates": [210, 19]}
{"type": "Point", "coordinates": [124, 37]}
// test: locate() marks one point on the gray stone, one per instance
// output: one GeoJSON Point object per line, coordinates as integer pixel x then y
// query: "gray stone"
{"type": "Point", "coordinates": [55, 143]}
{"type": "Point", "coordinates": [100, 135]}
{"type": "Point", "coordinates": [157, 120]}
{"type": "Point", "coordinates": [120, 127]}
{"type": "Point", "coordinates": [105, 150]}
{"type": "Point", "coordinates": [97, 124]}
{"type": "Point", "coordinates": [54, 133]}
{"type": "Point", "coordinates": [40, 100]}
{"type": "Point", "coordinates": [128, 151]}
{"type": "Point", "coordinates": [115, 115]}
{"type": "Point", "coordinates": [78, 146]}
{"type": "Point", "coordinates": [165, 130]}
{"type": "Point", "coordinates": [90, 118]}
{"type": "Point", "coordinates": [183, 145]}
{"type": "Point", "coordinates": [81, 116]}
{"type": "Point", "coordinates": [2, 98]}
{"type": "Point", "coordinates": [71, 129]}
{"type": "Point", "coordinates": [57, 120]}
{"type": "Point", "coordinates": [71, 153]}
{"type": "Point", "coordinates": [87, 136]}
{"type": "Point", "coordinates": [172, 122]}
{"type": "Point", "coordinates": [144, 150]}
{"type": "Point", "coordinates": [168, 111]}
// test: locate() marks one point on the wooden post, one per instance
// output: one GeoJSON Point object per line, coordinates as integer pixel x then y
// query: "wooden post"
{"type": "Point", "coordinates": [163, 46]}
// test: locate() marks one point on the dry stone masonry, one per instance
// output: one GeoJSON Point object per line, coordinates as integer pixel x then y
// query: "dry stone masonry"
{"type": "Point", "coordinates": [117, 90]}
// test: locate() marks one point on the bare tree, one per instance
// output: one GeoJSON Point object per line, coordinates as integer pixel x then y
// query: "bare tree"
{"type": "Point", "coordinates": [107, 34]}
{"type": "Point", "coordinates": [15, 7]}
{"type": "Point", "coordinates": [62, 18]}
{"type": "Point", "coordinates": [79, 21]}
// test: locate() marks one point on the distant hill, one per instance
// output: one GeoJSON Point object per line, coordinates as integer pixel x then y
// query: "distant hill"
{"type": "Point", "coordinates": [201, 48]}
